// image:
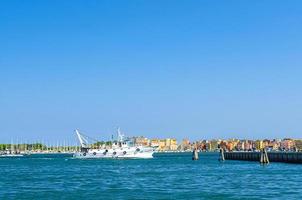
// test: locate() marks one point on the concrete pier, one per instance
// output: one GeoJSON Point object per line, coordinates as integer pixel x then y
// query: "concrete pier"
{"type": "Point", "coordinates": [288, 157]}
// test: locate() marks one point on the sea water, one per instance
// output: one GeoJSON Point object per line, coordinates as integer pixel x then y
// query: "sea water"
{"type": "Point", "coordinates": [166, 176]}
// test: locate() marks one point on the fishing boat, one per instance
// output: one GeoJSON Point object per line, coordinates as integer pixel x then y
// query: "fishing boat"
{"type": "Point", "coordinates": [120, 148]}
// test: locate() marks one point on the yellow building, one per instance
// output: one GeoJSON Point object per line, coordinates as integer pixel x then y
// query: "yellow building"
{"type": "Point", "coordinates": [173, 144]}
{"type": "Point", "coordinates": [165, 144]}
{"type": "Point", "coordinates": [141, 141]}
{"type": "Point", "coordinates": [162, 145]}
{"type": "Point", "coordinates": [259, 144]}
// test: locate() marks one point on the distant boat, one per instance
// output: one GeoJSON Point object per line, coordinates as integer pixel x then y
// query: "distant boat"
{"type": "Point", "coordinates": [120, 149]}
{"type": "Point", "coordinates": [11, 153]}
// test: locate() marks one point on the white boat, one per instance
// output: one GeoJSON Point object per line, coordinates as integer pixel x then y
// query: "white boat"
{"type": "Point", "coordinates": [11, 155]}
{"type": "Point", "coordinates": [120, 149]}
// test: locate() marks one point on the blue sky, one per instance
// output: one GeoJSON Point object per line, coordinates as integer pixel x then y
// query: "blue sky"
{"type": "Point", "coordinates": [184, 69]}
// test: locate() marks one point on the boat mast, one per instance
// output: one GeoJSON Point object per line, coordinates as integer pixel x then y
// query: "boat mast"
{"type": "Point", "coordinates": [12, 147]}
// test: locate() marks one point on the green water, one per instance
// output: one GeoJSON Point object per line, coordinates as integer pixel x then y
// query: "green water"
{"type": "Point", "coordinates": [166, 176]}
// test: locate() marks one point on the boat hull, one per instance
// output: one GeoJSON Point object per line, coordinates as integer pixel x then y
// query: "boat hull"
{"type": "Point", "coordinates": [129, 153]}
{"type": "Point", "coordinates": [11, 155]}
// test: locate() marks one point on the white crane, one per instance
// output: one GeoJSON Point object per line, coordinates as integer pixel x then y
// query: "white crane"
{"type": "Point", "coordinates": [82, 139]}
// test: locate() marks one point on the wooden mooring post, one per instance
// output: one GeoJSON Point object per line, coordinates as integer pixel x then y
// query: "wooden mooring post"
{"type": "Point", "coordinates": [264, 157]}
{"type": "Point", "coordinates": [195, 154]}
{"type": "Point", "coordinates": [221, 155]}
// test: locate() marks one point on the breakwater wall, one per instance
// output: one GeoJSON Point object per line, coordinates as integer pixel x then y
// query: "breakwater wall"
{"type": "Point", "coordinates": [289, 157]}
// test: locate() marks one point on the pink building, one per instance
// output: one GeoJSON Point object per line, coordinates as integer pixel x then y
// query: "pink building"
{"type": "Point", "coordinates": [287, 144]}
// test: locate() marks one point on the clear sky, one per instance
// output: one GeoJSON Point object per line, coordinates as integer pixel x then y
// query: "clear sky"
{"type": "Point", "coordinates": [184, 69]}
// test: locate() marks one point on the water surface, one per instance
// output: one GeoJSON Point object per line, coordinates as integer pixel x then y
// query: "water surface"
{"type": "Point", "coordinates": [167, 176]}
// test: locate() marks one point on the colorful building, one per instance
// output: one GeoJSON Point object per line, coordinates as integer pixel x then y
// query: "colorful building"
{"type": "Point", "coordinates": [287, 144]}
{"type": "Point", "coordinates": [259, 144]}
{"type": "Point", "coordinates": [298, 145]}
{"type": "Point", "coordinates": [141, 141]}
